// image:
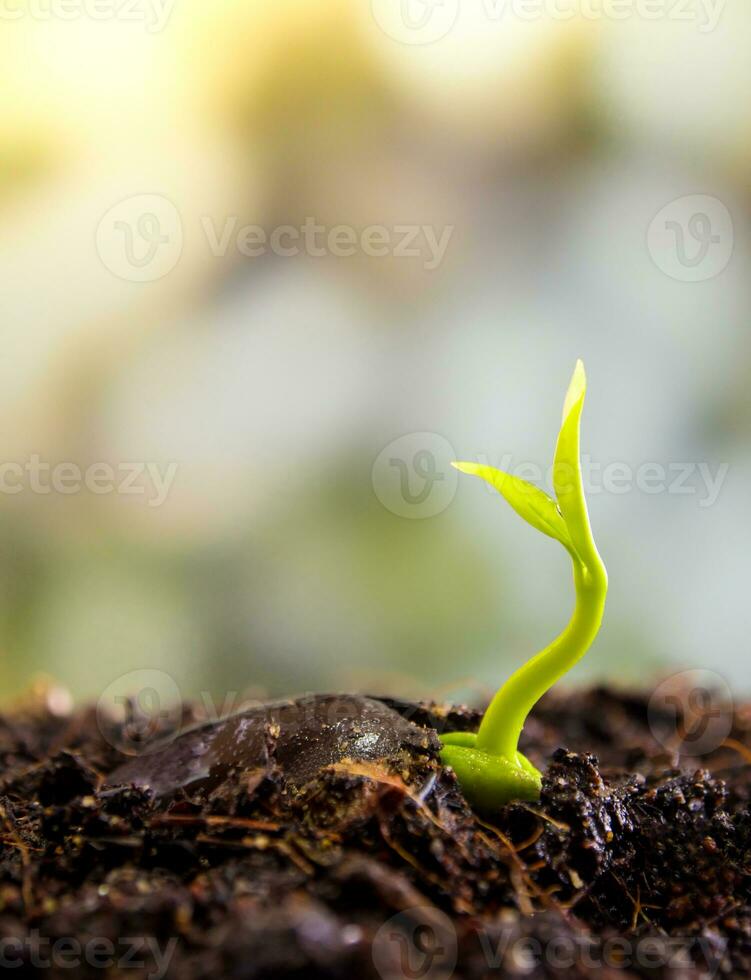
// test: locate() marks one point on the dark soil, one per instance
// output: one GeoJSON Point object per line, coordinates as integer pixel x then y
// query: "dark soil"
{"type": "Point", "coordinates": [322, 838]}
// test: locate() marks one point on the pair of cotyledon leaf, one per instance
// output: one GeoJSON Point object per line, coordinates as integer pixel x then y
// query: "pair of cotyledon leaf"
{"type": "Point", "coordinates": [562, 519]}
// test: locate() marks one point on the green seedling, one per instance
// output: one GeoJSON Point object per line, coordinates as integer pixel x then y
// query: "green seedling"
{"type": "Point", "coordinates": [488, 765]}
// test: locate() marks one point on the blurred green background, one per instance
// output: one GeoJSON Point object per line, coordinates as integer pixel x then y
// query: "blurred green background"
{"type": "Point", "coordinates": [295, 394]}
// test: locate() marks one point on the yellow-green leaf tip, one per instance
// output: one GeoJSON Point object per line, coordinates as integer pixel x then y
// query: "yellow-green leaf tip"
{"type": "Point", "coordinates": [576, 389]}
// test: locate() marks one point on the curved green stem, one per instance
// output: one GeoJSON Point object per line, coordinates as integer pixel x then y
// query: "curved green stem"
{"type": "Point", "coordinates": [507, 712]}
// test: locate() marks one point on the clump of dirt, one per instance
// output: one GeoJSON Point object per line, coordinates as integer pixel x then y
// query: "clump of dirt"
{"type": "Point", "coordinates": [322, 837]}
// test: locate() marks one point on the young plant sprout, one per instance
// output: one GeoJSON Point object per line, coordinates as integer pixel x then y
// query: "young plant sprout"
{"type": "Point", "coordinates": [488, 765]}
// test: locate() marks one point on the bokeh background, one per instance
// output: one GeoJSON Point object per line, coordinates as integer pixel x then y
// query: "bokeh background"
{"type": "Point", "coordinates": [592, 166]}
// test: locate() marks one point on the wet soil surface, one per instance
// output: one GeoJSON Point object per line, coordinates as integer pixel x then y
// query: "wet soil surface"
{"type": "Point", "coordinates": [321, 837]}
